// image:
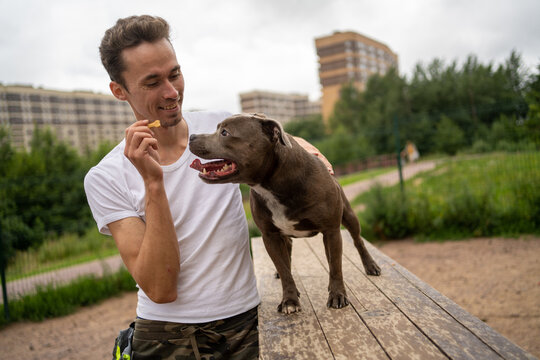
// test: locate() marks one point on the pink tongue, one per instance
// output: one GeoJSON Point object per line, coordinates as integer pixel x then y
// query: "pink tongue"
{"type": "Point", "coordinates": [196, 164]}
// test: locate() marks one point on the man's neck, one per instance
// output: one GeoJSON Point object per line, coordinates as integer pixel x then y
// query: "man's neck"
{"type": "Point", "coordinates": [172, 142]}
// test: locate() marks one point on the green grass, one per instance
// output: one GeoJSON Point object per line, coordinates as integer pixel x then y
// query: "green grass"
{"type": "Point", "coordinates": [65, 251]}
{"type": "Point", "coordinates": [363, 175]}
{"type": "Point", "coordinates": [495, 194]}
{"type": "Point", "coordinates": [49, 301]}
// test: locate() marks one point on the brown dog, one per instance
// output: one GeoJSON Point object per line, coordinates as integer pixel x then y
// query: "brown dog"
{"type": "Point", "coordinates": [292, 195]}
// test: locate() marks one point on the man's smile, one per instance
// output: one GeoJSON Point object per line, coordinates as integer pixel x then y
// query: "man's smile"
{"type": "Point", "coordinates": [170, 107]}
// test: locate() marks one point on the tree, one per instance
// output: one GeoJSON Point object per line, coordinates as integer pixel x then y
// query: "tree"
{"type": "Point", "coordinates": [348, 109]}
{"type": "Point", "coordinates": [43, 192]}
{"type": "Point", "coordinates": [310, 128]}
{"type": "Point", "coordinates": [449, 138]}
{"type": "Point", "coordinates": [532, 123]}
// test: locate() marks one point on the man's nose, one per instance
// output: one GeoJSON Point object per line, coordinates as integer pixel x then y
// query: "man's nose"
{"type": "Point", "coordinates": [170, 91]}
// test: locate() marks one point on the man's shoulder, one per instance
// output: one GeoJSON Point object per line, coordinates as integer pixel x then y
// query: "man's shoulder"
{"type": "Point", "coordinates": [111, 164]}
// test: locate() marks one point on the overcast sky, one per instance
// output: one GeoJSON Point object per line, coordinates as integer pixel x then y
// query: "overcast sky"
{"type": "Point", "coordinates": [231, 46]}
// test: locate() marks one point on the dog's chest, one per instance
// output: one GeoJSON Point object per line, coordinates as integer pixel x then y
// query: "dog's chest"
{"type": "Point", "coordinates": [278, 210]}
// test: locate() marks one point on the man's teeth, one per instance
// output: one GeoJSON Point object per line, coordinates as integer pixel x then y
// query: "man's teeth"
{"type": "Point", "coordinates": [170, 107]}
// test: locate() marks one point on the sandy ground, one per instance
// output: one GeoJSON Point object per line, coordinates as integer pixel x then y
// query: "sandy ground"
{"type": "Point", "coordinates": [497, 280]}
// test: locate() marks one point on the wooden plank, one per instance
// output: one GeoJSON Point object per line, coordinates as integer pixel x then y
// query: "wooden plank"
{"type": "Point", "coordinates": [454, 339]}
{"type": "Point", "coordinates": [399, 337]}
{"type": "Point", "coordinates": [395, 315]}
{"type": "Point", "coordinates": [501, 345]}
{"type": "Point", "coordinates": [295, 336]}
{"type": "Point", "coordinates": [347, 335]}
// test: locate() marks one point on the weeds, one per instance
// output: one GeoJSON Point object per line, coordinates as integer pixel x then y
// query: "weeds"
{"type": "Point", "coordinates": [50, 301]}
{"type": "Point", "coordinates": [488, 196]}
{"type": "Point", "coordinates": [53, 254]}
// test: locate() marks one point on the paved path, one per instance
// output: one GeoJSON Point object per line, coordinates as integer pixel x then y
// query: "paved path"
{"type": "Point", "coordinates": [28, 285]}
{"type": "Point", "coordinates": [388, 179]}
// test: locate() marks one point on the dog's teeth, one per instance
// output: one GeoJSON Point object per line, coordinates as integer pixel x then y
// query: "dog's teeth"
{"type": "Point", "coordinates": [204, 170]}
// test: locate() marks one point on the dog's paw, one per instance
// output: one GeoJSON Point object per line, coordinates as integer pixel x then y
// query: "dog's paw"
{"type": "Point", "coordinates": [373, 269]}
{"type": "Point", "coordinates": [337, 300]}
{"type": "Point", "coordinates": [289, 306]}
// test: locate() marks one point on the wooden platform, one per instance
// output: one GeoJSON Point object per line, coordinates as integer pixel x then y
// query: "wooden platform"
{"type": "Point", "coordinates": [394, 316]}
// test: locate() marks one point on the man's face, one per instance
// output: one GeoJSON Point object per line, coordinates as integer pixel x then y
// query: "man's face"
{"type": "Point", "coordinates": [154, 83]}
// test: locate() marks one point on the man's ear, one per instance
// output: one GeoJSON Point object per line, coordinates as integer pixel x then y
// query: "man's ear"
{"type": "Point", "coordinates": [118, 90]}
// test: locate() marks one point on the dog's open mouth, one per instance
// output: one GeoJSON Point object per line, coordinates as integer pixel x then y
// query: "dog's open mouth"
{"type": "Point", "coordinates": [215, 170]}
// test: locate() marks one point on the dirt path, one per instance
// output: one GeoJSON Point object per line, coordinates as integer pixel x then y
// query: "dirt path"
{"type": "Point", "coordinates": [388, 179]}
{"type": "Point", "coordinates": [495, 279]}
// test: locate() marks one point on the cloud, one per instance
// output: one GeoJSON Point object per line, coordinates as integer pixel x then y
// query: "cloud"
{"type": "Point", "coordinates": [239, 45]}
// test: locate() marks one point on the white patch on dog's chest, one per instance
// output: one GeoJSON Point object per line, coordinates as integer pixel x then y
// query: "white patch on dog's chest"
{"type": "Point", "coordinates": [279, 219]}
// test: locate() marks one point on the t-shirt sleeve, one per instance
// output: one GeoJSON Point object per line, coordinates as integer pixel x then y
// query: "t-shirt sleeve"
{"type": "Point", "coordinates": [107, 200]}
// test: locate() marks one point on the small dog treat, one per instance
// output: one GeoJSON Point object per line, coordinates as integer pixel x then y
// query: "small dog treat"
{"type": "Point", "coordinates": [154, 124]}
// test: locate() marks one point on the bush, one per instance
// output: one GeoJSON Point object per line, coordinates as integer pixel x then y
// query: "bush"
{"type": "Point", "coordinates": [480, 146]}
{"type": "Point", "coordinates": [495, 195]}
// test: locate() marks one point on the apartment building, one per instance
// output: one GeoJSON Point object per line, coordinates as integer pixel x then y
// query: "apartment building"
{"type": "Point", "coordinates": [349, 57]}
{"type": "Point", "coordinates": [279, 106]}
{"type": "Point", "coordinates": [81, 119]}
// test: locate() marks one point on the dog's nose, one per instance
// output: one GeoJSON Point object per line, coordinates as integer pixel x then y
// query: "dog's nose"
{"type": "Point", "coordinates": [192, 137]}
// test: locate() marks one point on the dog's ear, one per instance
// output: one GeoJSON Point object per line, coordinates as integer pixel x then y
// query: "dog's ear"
{"type": "Point", "coordinates": [274, 130]}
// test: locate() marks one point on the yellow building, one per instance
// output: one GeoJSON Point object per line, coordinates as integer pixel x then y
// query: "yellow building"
{"type": "Point", "coordinates": [349, 57]}
{"type": "Point", "coordinates": [81, 119]}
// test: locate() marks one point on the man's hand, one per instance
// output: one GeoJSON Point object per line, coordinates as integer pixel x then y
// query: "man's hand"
{"type": "Point", "coordinates": [142, 150]}
{"type": "Point", "coordinates": [313, 150]}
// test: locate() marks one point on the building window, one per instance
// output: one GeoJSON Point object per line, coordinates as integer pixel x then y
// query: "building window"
{"type": "Point", "coordinates": [13, 97]}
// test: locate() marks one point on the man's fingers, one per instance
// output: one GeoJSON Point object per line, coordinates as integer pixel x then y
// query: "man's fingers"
{"type": "Point", "coordinates": [134, 140]}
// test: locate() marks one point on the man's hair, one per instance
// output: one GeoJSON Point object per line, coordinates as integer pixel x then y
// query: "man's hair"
{"type": "Point", "coordinates": [129, 32]}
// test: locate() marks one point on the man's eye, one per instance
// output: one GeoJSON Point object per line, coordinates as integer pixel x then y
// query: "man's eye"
{"type": "Point", "coordinates": [224, 132]}
{"type": "Point", "coordinates": [154, 84]}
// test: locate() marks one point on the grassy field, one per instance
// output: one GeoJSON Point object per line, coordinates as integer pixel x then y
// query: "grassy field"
{"type": "Point", "coordinates": [52, 301]}
{"type": "Point", "coordinates": [489, 195]}
{"type": "Point", "coordinates": [65, 251]}
{"type": "Point", "coordinates": [363, 175]}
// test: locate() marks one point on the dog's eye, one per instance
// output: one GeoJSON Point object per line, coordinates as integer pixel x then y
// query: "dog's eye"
{"type": "Point", "coordinates": [224, 132]}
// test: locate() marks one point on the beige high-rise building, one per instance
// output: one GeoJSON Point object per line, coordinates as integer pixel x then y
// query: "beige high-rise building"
{"type": "Point", "coordinates": [349, 57]}
{"type": "Point", "coordinates": [81, 119]}
{"type": "Point", "coordinates": [279, 106]}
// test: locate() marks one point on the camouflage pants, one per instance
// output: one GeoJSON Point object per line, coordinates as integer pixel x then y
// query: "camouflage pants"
{"type": "Point", "coordinates": [234, 338]}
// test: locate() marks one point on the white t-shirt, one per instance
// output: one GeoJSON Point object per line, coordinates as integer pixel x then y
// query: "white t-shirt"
{"type": "Point", "coordinates": [216, 279]}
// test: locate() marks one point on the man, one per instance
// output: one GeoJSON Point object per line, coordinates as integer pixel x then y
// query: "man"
{"type": "Point", "coordinates": [185, 242]}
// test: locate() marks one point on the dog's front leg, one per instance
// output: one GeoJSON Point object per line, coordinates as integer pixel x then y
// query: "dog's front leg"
{"type": "Point", "coordinates": [333, 246]}
{"type": "Point", "coordinates": [279, 248]}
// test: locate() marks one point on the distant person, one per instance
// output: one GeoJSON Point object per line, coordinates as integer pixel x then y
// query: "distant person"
{"type": "Point", "coordinates": [410, 153]}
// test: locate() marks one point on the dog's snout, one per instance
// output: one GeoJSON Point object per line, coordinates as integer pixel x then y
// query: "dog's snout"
{"type": "Point", "coordinates": [192, 137]}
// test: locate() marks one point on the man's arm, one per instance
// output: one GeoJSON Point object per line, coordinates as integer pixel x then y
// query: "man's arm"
{"type": "Point", "coordinates": [149, 250]}
{"type": "Point", "coordinates": [313, 150]}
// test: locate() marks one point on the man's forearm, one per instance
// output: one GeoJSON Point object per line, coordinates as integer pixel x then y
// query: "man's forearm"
{"type": "Point", "coordinates": [158, 261]}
